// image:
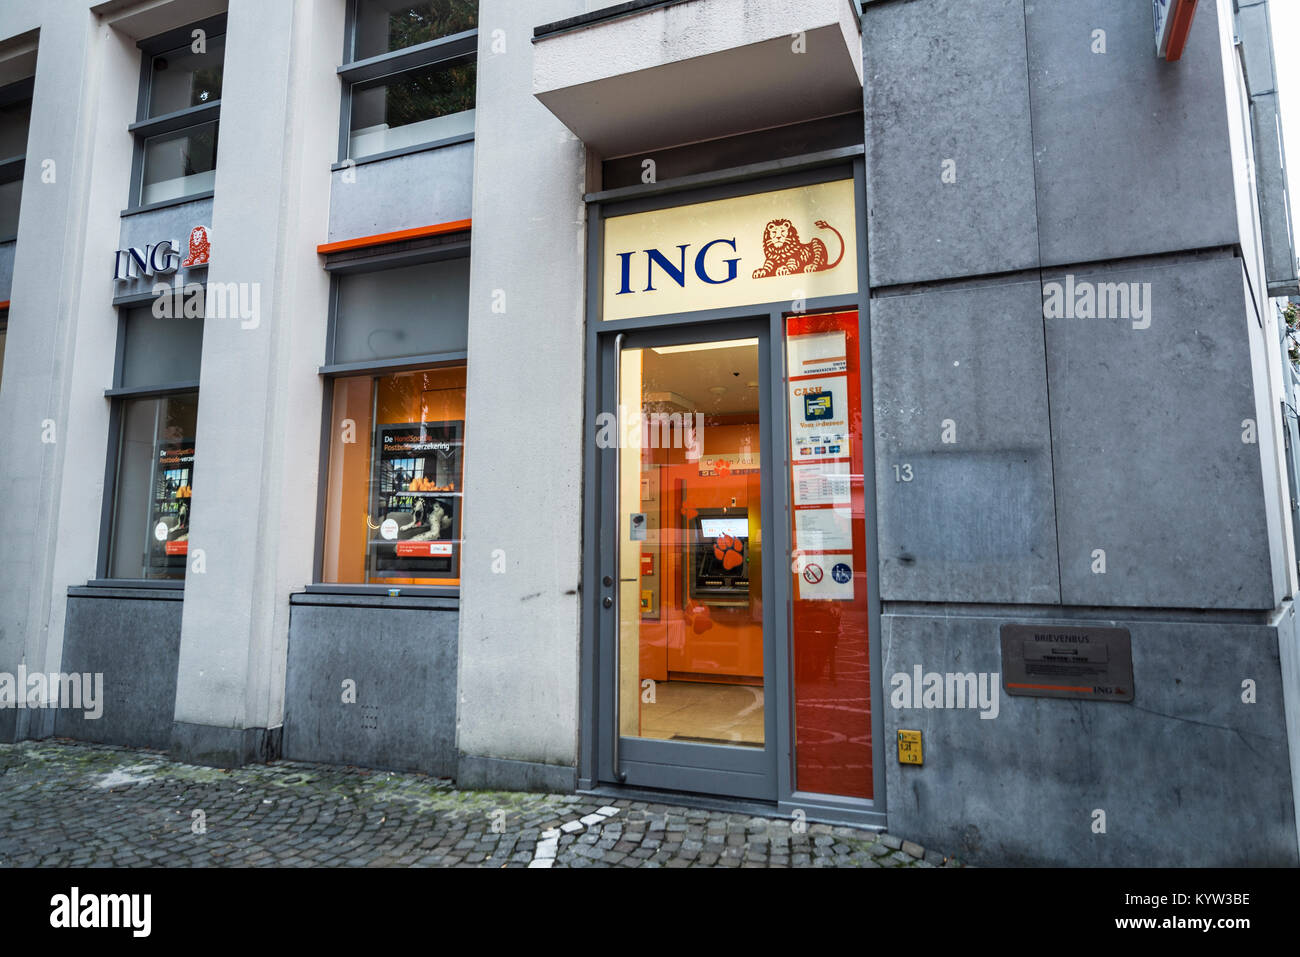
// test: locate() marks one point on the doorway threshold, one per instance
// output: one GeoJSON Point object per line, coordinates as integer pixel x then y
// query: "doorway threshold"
{"type": "Point", "coordinates": [813, 812]}
{"type": "Point", "coordinates": [702, 802]}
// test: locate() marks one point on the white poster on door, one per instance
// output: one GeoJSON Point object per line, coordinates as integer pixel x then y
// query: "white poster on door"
{"type": "Point", "coordinates": [819, 418]}
{"type": "Point", "coordinates": [822, 483]}
{"type": "Point", "coordinates": [819, 353]}
{"type": "Point", "coordinates": [823, 529]}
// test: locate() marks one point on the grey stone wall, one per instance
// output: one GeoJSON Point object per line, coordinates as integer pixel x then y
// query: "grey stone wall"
{"type": "Point", "coordinates": [1146, 422]}
{"type": "Point", "coordinates": [1188, 774]}
{"type": "Point", "coordinates": [135, 643]}
{"type": "Point", "coordinates": [401, 658]}
{"type": "Point", "coordinates": [1116, 467]}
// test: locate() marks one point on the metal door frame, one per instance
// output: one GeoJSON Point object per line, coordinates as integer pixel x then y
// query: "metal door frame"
{"type": "Point", "coordinates": [677, 765]}
{"type": "Point", "coordinates": [595, 750]}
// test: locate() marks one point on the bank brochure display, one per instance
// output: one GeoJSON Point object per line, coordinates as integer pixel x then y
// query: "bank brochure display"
{"type": "Point", "coordinates": [415, 520]}
{"type": "Point", "coordinates": [170, 519]}
{"type": "Point", "coordinates": [820, 464]}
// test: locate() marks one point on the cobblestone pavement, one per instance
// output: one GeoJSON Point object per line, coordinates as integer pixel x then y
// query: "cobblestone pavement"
{"type": "Point", "coordinates": [70, 804]}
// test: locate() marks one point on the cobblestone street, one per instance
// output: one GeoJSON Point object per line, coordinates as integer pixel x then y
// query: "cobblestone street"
{"type": "Point", "coordinates": [69, 804]}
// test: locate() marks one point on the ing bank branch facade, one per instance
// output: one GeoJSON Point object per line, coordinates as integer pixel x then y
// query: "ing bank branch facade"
{"type": "Point", "coordinates": [875, 411]}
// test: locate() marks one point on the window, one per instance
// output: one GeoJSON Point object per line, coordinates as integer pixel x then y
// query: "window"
{"type": "Point", "coordinates": [182, 78]}
{"type": "Point", "coordinates": [390, 314]}
{"type": "Point", "coordinates": [412, 108]}
{"type": "Point", "coordinates": [409, 76]}
{"type": "Point", "coordinates": [180, 104]}
{"type": "Point", "coordinates": [179, 164]}
{"type": "Point", "coordinates": [155, 483]}
{"type": "Point", "coordinates": [393, 495]}
{"type": "Point", "coordinates": [394, 486]}
{"type": "Point", "coordinates": [15, 118]}
{"type": "Point", "coordinates": [152, 451]}
{"type": "Point", "coordinates": [386, 26]}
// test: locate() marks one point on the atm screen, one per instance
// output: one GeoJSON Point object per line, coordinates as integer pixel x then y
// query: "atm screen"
{"type": "Point", "coordinates": [719, 565]}
{"type": "Point", "coordinates": [716, 527]}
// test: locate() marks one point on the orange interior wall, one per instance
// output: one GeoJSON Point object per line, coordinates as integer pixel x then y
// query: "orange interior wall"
{"type": "Point", "coordinates": [691, 637]}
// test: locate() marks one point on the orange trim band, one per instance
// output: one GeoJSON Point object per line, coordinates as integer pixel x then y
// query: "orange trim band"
{"type": "Point", "coordinates": [1012, 684]}
{"type": "Point", "coordinates": [4, 304]}
{"type": "Point", "coordinates": [459, 226]}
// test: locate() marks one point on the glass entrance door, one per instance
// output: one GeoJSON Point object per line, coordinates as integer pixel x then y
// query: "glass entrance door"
{"type": "Point", "coordinates": [688, 623]}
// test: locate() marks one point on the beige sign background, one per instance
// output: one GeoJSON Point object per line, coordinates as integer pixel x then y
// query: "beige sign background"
{"type": "Point", "coordinates": [629, 268]}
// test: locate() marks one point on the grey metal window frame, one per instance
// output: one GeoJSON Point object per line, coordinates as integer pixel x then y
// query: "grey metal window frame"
{"type": "Point", "coordinates": [118, 395]}
{"type": "Point", "coordinates": [13, 168]}
{"type": "Point", "coordinates": [145, 127]}
{"type": "Point", "coordinates": [406, 254]}
{"type": "Point", "coordinates": [595, 747]}
{"type": "Point", "coordinates": [450, 50]}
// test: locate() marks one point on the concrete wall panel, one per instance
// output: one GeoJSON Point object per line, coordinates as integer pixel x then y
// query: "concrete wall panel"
{"type": "Point", "coordinates": [135, 644]}
{"type": "Point", "coordinates": [945, 80]}
{"type": "Point", "coordinates": [976, 521]}
{"type": "Point", "coordinates": [1147, 431]}
{"type": "Point", "coordinates": [403, 661]}
{"type": "Point", "coordinates": [1118, 135]}
{"type": "Point", "coordinates": [1187, 774]}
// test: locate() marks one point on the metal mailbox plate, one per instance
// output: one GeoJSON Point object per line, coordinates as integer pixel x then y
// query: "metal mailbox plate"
{"type": "Point", "coordinates": [1059, 661]}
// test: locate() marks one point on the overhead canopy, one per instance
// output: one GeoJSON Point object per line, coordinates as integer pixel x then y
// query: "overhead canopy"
{"type": "Point", "coordinates": [688, 71]}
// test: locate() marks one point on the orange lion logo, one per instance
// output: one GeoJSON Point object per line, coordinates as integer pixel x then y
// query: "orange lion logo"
{"type": "Point", "coordinates": [784, 254]}
{"type": "Point", "coordinates": [200, 247]}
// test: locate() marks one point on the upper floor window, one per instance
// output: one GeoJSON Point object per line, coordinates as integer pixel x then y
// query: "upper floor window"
{"type": "Point", "coordinates": [410, 76]}
{"type": "Point", "coordinates": [386, 26]}
{"type": "Point", "coordinates": [15, 117]}
{"type": "Point", "coordinates": [186, 76]}
{"type": "Point", "coordinates": [179, 109]}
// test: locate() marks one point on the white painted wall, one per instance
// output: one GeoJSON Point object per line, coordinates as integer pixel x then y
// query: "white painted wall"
{"type": "Point", "coordinates": [519, 630]}
{"type": "Point", "coordinates": [46, 331]}
{"type": "Point", "coordinates": [258, 435]}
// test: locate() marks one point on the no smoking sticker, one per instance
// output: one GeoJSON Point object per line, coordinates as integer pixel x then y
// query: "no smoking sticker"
{"type": "Point", "coordinates": [818, 586]}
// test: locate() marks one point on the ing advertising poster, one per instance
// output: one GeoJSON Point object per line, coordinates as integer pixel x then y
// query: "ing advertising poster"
{"type": "Point", "coordinates": [416, 513]}
{"type": "Point", "coordinates": [170, 515]}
